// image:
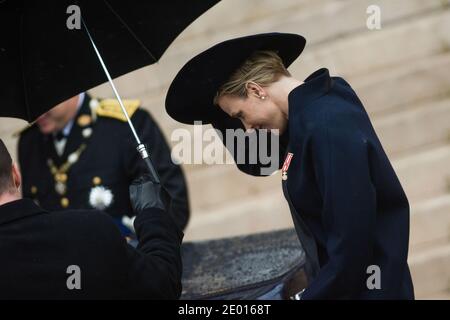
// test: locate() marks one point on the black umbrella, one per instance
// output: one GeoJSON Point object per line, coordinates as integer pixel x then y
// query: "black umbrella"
{"type": "Point", "coordinates": [44, 62]}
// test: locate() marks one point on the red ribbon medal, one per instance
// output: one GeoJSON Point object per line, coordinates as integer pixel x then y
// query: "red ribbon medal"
{"type": "Point", "coordinates": [286, 164]}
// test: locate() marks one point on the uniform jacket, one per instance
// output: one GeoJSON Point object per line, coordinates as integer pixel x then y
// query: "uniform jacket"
{"type": "Point", "coordinates": [105, 156]}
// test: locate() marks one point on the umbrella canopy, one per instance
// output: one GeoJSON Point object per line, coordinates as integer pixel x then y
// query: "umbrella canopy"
{"type": "Point", "coordinates": [43, 62]}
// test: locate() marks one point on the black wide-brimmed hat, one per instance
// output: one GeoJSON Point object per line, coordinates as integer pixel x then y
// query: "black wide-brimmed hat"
{"type": "Point", "coordinates": [191, 95]}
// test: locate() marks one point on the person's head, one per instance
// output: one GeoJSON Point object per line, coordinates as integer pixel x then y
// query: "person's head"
{"type": "Point", "coordinates": [57, 118]}
{"type": "Point", "coordinates": [247, 94]}
{"type": "Point", "coordinates": [10, 178]}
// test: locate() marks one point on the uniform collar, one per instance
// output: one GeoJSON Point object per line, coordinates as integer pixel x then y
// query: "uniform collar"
{"type": "Point", "coordinates": [66, 130]}
{"type": "Point", "coordinates": [18, 209]}
{"type": "Point", "coordinates": [316, 85]}
{"type": "Point", "coordinates": [75, 138]}
{"type": "Point", "coordinates": [82, 108]}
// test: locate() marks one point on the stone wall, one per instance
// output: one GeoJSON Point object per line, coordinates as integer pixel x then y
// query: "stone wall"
{"type": "Point", "coordinates": [401, 74]}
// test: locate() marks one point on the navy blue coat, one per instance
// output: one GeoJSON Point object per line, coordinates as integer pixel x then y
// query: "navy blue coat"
{"type": "Point", "coordinates": [345, 195]}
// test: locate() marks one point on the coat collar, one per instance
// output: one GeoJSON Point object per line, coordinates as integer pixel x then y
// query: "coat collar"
{"type": "Point", "coordinates": [18, 209]}
{"type": "Point", "coordinates": [75, 137]}
{"type": "Point", "coordinates": [316, 85]}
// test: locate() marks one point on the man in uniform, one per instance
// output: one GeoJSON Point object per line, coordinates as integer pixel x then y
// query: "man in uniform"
{"type": "Point", "coordinates": [82, 155]}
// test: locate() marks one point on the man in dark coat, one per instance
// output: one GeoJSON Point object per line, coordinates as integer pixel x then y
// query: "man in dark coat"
{"type": "Point", "coordinates": [81, 254]}
{"type": "Point", "coordinates": [81, 155]}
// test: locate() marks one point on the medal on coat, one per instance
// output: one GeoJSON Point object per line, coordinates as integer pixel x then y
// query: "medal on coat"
{"type": "Point", "coordinates": [286, 164]}
{"type": "Point", "coordinates": [60, 174]}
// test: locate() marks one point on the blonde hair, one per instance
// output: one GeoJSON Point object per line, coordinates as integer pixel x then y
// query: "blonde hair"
{"type": "Point", "coordinates": [263, 68]}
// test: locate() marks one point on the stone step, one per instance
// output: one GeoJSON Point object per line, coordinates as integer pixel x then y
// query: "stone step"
{"type": "Point", "coordinates": [381, 50]}
{"type": "Point", "coordinates": [405, 132]}
{"type": "Point", "coordinates": [423, 176]}
{"type": "Point", "coordinates": [347, 16]}
{"type": "Point", "coordinates": [348, 20]}
{"type": "Point", "coordinates": [253, 214]}
{"type": "Point", "coordinates": [430, 220]}
{"type": "Point", "coordinates": [430, 223]}
{"type": "Point", "coordinates": [430, 270]}
{"type": "Point", "coordinates": [235, 14]}
{"type": "Point", "coordinates": [404, 86]}
{"type": "Point", "coordinates": [413, 17]}
{"type": "Point", "coordinates": [443, 295]}
{"type": "Point", "coordinates": [218, 184]}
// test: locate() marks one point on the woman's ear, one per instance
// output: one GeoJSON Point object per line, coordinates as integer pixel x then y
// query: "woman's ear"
{"type": "Point", "coordinates": [255, 89]}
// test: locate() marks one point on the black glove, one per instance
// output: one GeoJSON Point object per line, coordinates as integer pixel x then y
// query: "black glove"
{"type": "Point", "coordinates": [145, 194]}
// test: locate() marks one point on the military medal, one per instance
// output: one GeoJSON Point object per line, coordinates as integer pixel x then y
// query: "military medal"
{"type": "Point", "coordinates": [60, 183]}
{"type": "Point", "coordinates": [100, 198]}
{"type": "Point", "coordinates": [84, 120]}
{"type": "Point", "coordinates": [286, 164]}
{"type": "Point", "coordinates": [60, 174]}
{"type": "Point", "coordinates": [87, 133]}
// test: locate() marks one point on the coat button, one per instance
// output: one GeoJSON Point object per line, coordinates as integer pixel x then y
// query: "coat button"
{"type": "Point", "coordinates": [97, 181]}
{"type": "Point", "coordinates": [84, 120]}
{"type": "Point", "coordinates": [64, 202]}
{"type": "Point", "coordinates": [34, 190]}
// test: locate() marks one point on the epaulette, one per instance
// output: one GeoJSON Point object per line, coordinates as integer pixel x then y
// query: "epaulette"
{"type": "Point", "coordinates": [110, 108]}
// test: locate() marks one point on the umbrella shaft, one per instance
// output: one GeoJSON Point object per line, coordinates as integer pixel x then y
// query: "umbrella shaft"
{"type": "Point", "coordinates": [116, 93]}
{"type": "Point", "coordinates": [141, 147]}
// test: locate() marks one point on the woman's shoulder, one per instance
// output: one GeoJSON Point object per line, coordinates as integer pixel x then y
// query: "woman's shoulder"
{"type": "Point", "coordinates": [325, 119]}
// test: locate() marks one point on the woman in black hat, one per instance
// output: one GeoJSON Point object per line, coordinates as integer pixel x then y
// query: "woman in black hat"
{"type": "Point", "coordinates": [348, 206]}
